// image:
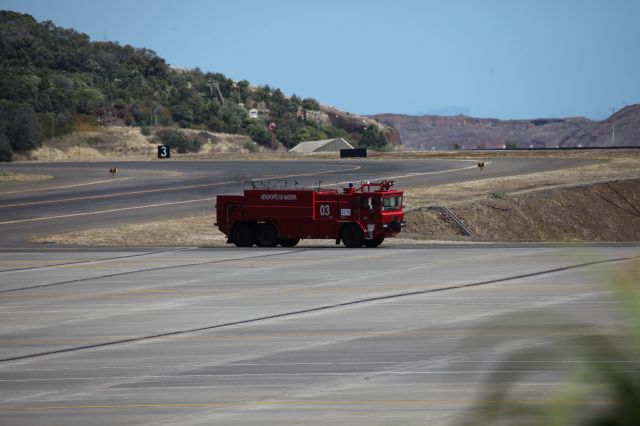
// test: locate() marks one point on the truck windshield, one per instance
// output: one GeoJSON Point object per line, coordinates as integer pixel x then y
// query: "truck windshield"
{"type": "Point", "coordinates": [392, 203]}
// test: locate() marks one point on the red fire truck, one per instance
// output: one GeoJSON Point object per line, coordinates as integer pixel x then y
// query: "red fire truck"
{"type": "Point", "coordinates": [267, 217]}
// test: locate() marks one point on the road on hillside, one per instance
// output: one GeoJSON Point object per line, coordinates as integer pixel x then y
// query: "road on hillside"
{"type": "Point", "coordinates": [395, 335]}
{"type": "Point", "coordinates": [84, 195]}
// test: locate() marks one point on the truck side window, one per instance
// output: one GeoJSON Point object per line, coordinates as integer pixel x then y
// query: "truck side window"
{"type": "Point", "coordinates": [376, 203]}
{"type": "Point", "coordinates": [367, 203]}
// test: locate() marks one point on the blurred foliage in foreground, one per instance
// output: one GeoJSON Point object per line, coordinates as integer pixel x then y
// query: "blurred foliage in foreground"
{"type": "Point", "coordinates": [602, 390]}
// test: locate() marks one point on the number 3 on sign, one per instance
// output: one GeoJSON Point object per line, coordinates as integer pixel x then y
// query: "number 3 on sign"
{"type": "Point", "coordinates": [325, 210]}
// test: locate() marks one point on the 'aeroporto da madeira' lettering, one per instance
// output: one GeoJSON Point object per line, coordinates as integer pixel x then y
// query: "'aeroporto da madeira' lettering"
{"type": "Point", "coordinates": [278, 197]}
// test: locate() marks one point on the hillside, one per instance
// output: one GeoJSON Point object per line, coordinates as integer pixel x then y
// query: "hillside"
{"type": "Point", "coordinates": [55, 81]}
{"type": "Point", "coordinates": [429, 132]}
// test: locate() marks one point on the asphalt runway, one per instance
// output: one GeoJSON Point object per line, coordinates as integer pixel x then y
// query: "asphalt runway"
{"type": "Point", "coordinates": [394, 335]}
{"type": "Point", "coordinates": [84, 195]}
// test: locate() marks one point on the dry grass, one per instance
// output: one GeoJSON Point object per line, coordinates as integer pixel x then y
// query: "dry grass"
{"type": "Point", "coordinates": [9, 176]}
{"type": "Point", "coordinates": [191, 231]}
{"type": "Point", "coordinates": [615, 168]}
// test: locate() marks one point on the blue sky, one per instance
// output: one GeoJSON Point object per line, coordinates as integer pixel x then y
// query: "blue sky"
{"type": "Point", "coordinates": [485, 58]}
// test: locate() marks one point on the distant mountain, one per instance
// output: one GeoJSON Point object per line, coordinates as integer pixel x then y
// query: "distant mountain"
{"type": "Point", "coordinates": [437, 132]}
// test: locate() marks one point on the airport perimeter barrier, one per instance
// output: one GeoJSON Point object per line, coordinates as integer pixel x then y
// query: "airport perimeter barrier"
{"type": "Point", "coordinates": [347, 153]}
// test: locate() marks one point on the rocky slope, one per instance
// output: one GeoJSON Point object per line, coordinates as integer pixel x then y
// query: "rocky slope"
{"type": "Point", "coordinates": [437, 132]}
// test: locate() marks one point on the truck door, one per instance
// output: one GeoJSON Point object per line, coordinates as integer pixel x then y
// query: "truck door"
{"type": "Point", "coordinates": [325, 216]}
{"type": "Point", "coordinates": [369, 203]}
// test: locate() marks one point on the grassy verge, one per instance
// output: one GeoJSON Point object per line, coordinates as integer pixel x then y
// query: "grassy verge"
{"type": "Point", "coordinates": [9, 176]}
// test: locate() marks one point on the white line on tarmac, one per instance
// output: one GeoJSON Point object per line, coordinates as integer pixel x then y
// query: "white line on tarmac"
{"type": "Point", "coordinates": [411, 174]}
{"type": "Point", "coordinates": [65, 187]}
{"type": "Point", "coordinates": [118, 194]}
{"type": "Point", "coordinates": [174, 188]}
{"type": "Point", "coordinates": [36, 219]}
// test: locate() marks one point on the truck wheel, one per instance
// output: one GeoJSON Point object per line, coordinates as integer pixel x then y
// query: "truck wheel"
{"type": "Point", "coordinates": [266, 235]}
{"type": "Point", "coordinates": [375, 242]}
{"type": "Point", "coordinates": [352, 236]}
{"type": "Point", "coordinates": [242, 235]}
{"type": "Point", "coordinates": [289, 242]}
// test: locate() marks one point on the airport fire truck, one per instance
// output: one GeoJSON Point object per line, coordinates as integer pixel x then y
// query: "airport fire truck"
{"type": "Point", "coordinates": [267, 217]}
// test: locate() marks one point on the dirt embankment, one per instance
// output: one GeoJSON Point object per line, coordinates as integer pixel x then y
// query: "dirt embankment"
{"type": "Point", "coordinates": [600, 212]}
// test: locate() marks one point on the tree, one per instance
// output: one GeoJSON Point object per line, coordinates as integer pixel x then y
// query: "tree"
{"type": "Point", "coordinates": [373, 138]}
{"type": "Point", "coordinates": [310, 103]}
{"type": "Point", "coordinates": [259, 132]}
{"type": "Point", "coordinates": [177, 140]}
{"type": "Point", "coordinates": [233, 116]}
{"type": "Point", "coordinates": [310, 133]}
{"type": "Point", "coordinates": [22, 126]}
{"type": "Point", "coordinates": [6, 153]}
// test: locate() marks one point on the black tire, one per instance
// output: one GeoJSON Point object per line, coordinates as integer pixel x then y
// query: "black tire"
{"type": "Point", "coordinates": [242, 235]}
{"type": "Point", "coordinates": [352, 236]}
{"type": "Point", "coordinates": [375, 242]}
{"type": "Point", "coordinates": [289, 242]}
{"type": "Point", "coordinates": [266, 235]}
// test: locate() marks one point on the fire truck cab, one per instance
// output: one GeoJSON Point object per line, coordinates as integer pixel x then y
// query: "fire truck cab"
{"type": "Point", "coordinates": [362, 216]}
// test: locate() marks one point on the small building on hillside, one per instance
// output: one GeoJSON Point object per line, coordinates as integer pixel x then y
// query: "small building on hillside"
{"type": "Point", "coordinates": [325, 145]}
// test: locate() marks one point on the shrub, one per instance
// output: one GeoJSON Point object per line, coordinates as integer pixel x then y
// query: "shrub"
{"type": "Point", "coordinates": [310, 103]}
{"type": "Point", "coordinates": [372, 138]}
{"type": "Point", "coordinates": [259, 133]}
{"type": "Point", "coordinates": [145, 130]}
{"type": "Point", "coordinates": [497, 195]}
{"type": "Point", "coordinates": [250, 146]}
{"type": "Point", "coordinates": [510, 145]}
{"type": "Point", "coordinates": [178, 141]}
{"type": "Point", "coordinates": [6, 153]}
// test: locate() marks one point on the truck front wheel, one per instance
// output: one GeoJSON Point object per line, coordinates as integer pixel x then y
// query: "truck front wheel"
{"type": "Point", "coordinates": [242, 235]}
{"type": "Point", "coordinates": [352, 236]}
{"type": "Point", "coordinates": [266, 235]}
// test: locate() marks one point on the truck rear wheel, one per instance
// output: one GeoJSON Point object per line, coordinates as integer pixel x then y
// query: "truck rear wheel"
{"type": "Point", "coordinates": [352, 236]}
{"type": "Point", "coordinates": [266, 235]}
{"type": "Point", "coordinates": [242, 235]}
{"type": "Point", "coordinates": [288, 242]}
{"type": "Point", "coordinates": [375, 242]}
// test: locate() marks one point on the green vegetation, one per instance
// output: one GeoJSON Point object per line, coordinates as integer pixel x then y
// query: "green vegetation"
{"type": "Point", "coordinates": [178, 141]}
{"type": "Point", "coordinates": [250, 146]}
{"type": "Point", "coordinates": [55, 80]}
{"type": "Point", "coordinates": [373, 138]}
{"type": "Point", "coordinates": [511, 145]}
{"type": "Point", "coordinates": [497, 195]}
